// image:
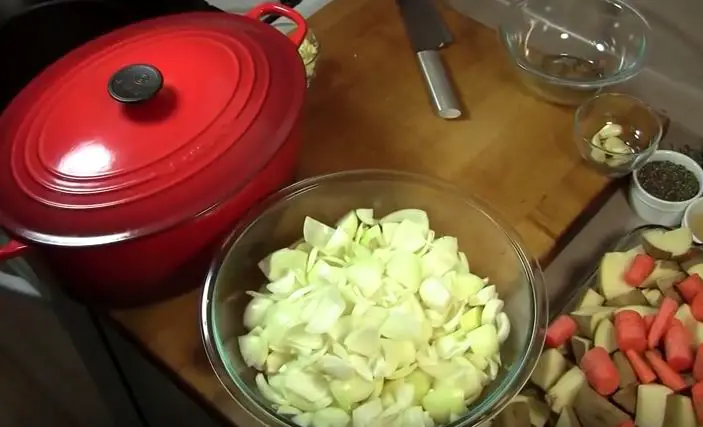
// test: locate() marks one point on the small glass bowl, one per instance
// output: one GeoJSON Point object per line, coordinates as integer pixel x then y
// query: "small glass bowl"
{"type": "Point", "coordinates": [642, 131]}
{"type": "Point", "coordinates": [566, 51]}
{"type": "Point", "coordinates": [309, 51]}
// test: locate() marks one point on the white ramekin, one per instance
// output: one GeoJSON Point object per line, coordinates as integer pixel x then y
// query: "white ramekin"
{"type": "Point", "coordinates": [658, 211]}
{"type": "Point", "coordinates": [695, 208]}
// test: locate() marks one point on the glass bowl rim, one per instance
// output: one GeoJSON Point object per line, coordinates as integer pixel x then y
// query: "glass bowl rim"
{"type": "Point", "coordinates": [619, 77]}
{"type": "Point", "coordinates": [489, 406]}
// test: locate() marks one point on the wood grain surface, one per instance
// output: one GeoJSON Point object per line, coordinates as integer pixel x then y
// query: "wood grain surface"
{"type": "Point", "coordinates": [367, 108]}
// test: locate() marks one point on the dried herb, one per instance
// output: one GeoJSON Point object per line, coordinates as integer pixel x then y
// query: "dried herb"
{"type": "Point", "coordinates": [668, 181]}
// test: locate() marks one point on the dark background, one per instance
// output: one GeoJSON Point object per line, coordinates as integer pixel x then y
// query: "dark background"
{"type": "Point", "coordinates": [35, 33]}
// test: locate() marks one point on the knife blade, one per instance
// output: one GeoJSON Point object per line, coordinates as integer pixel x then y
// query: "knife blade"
{"type": "Point", "coordinates": [428, 33]}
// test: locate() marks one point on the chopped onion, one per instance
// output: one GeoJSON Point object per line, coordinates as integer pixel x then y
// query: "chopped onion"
{"type": "Point", "coordinates": [408, 236]}
{"type": "Point", "coordinates": [366, 275]}
{"type": "Point", "coordinates": [349, 223]}
{"type": "Point", "coordinates": [303, 420]}
{"type": "Point", "coordinates": [373, 237]}
{"type": "Point", "coordinates": [255, 312]}
{"type": "Point", "coordinates": [336, 367]}
{"type": "Point", "coordinates": [279, 263]}
{"type": "Point", "coordinates": [365, 216]}
{"type": "Point", "coordinates": [421, 383]}
{"type": "Point", "coordinates": [441, 402]}
{"type": "Point", "coordinates": [312, 387]}
{"type": "Point", "coordinates": [471, 319]}
{"type": "Point", "coordinates": [288, 410]}
{"type": "Point", "coordinates": [416, 216]}
{"type": "Point", "coordinates": [491, 311]}
{"type": "Point", "coordinates": [503, 324]}
{"type": "Point", "coordinates": [366, 342]}
{"type": "Point", "coordinates": [254, 350]}
{"type": "Point", "coordinates": [284, 286]}
{"type": "Point", "coordinates": [350, 391]}
{"type": "Point", "coordinates": [466, 285]}
{"type": "Point", "coordinates": [484, 340]}
{"type": "Point", "coordinates": [434, 294]}
{"type": "Point", "coordinates": [483, 296]}
{"type": "Point", "coordinates": [372, 324]}
{"type": "Point", "coordinates": [330, 417]}
{"type": "Point", "coordinates": [365, 415]}
{"type": "Point", "coordinates": [330, 308]}
{"type": "Point", "coordinates": [267, 391]}
{"type": "Point", "coordinates": [406, 269]}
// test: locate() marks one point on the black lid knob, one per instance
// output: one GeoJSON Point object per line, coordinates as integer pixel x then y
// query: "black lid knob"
{"type": "Point", "coordinates": [135, 83]}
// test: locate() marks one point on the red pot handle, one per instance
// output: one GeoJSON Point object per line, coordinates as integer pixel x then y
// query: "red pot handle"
{"type": "Point", "coordinates": [298, 35]}
{"type": "Point", "coordinates": [12, 249]}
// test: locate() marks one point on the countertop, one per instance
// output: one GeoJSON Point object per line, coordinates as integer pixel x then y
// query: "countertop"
{"type": "Point", "coordinates": [368, 109]}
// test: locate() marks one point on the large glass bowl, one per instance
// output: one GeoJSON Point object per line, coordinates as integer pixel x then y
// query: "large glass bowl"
{"type": "Point", "coordinates": [492, 249]}
{"type": "Point", "coordinates": [567, 50]}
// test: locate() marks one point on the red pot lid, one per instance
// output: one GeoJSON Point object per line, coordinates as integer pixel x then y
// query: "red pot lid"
{"type": "Point", "coordinates": [147, 126]}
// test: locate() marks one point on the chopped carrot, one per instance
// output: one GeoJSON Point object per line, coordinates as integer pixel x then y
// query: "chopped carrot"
{"type": "Point", "coordinates": [644, 373]}
{"type": "Point", "coordinates": [675, 323]}
{"type": "Point", "coordinates": [667, 376]}
{"type": "Point", "coordinates": [630, 331]}
{"type": "Point", "coordinates": [697, 307]}
{"type": "Point", "coordinates": [697, 397]}
{"type": "Point", "coordinates": [661, 321]}
{"type": "Point", "coordinates": [600, 371]}
{"type": "Point", "coordinates": [677, 347]}
{"type": "Point", "coordinates": [698, 364]}
{"type": "Point", "coordinates": [628, 423]}
{"type": "Point", "coordinates": [649, 321]}
{"type": "Point", "coordinates": [641, 267]}
{"type": "Point", "coordinates": [560, 331]}
{"type": "Point", "coordinates": [690, 287]}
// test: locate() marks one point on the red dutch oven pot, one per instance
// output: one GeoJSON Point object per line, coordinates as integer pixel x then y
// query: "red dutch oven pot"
{"type": "Point", "coordinates": [123, 162]}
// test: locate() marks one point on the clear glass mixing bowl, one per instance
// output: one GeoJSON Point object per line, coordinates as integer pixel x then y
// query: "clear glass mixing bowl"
{"type": "Point", "coordinates": [492, 249]}
{"type": "Point", "coordinates": [567, 50]}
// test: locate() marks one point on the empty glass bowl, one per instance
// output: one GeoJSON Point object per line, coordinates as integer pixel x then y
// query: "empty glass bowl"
{"type": "Point", "coordinates": [491, 247]}
{"type": "Point", "coordinates": [636, 127]}
{"type": "Point", "coordinates": [567, 50]}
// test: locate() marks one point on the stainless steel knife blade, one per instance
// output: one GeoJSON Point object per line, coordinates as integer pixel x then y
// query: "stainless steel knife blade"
{"type": "Point", "coordinates": [428, 33]}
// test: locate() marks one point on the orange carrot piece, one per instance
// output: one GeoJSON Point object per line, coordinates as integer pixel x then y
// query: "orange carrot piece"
{"type": "Point", "coordinates": [661, 321]}
{"type": "Point", "coordinates": [600, 371]}
{"type": "Point", "coordinates": [667, 376]}
{"type": "Point", "coordinates": [690, 287]}
{"type": "Point", "coordinates": [698, 364]}
{"type": "Point", "coordinates": [628, 423]}
{"type": "Point", "coordinates": [641, 267]}
{"type": "Point", "coordinates": [677, 347]}
{"type": "Point", "coordinates": [644, 373]}
{"type": "Point", "coordinates": [630, 331]}
{"type": "Point", "coordinates": [697, 307]}
{"type": "Point", "coordinates": [649, 321]}
{"type": "Point", "coordinates": [561, 330]}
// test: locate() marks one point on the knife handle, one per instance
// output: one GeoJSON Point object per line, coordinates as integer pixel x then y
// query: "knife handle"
{"type": "Point", "coordinates": [438, 85]}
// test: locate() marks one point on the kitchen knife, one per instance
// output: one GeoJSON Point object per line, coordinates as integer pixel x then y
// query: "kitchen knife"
{"type": "Point", "coordinates": [428, 33]}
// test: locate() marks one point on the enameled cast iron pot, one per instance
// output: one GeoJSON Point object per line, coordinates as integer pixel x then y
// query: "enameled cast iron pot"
{"type": "Point", "coordinates": [123, 162]}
